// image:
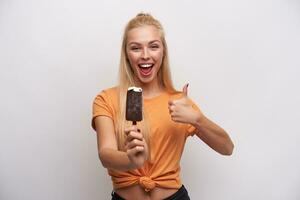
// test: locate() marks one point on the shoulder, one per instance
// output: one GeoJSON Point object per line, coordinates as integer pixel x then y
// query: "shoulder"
{"type": "Point", "coordinates": [110, 93]}
{"type": "Point", "coordinates": [112, 90]}
{"type": "Point", "coordinates": [108, 96]}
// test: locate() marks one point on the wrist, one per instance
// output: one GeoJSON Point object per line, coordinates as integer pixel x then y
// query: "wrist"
{"type": "Point", "coordinates": [130, 164]}
{"type": "Point", "coordinates": [134, 163]}
{"type": "Point", "coordinates": [199, 120]}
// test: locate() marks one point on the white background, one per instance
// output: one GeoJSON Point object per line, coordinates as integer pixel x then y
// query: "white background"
{"type": "Point", "coordinates": [241, 58]}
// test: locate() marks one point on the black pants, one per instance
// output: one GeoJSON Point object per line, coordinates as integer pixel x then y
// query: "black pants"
{"type": "Point", "coordinates": [181, 194]}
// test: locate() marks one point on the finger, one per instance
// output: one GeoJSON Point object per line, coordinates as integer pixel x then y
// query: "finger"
{"type": "Point", "coordinates": [135, 150]}
{"type": "Point", "coordinates": [176, 120]}
{"type": "Point", "coordinates": [173, 115]}
{"type": "Point", "coordinates": [171, 109]}
{"type": "Point", "coordinates": [134, 135]}
{"type": "Point", "coordinates": [127, 130]}
{"type": "Point", "coordinates": [171, 102]}
{"type": "Point", "coordinates": [135, 143]}
{"type": "Point", "coordinates": [185, 90]}
{"type": "Point", "coordinates": [132, 128]}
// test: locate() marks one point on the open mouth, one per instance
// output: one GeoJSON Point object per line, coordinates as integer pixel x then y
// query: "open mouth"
{"type": "Point", "coordinates": [145, 69]}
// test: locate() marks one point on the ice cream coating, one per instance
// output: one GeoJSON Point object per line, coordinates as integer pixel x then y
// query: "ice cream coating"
{"type": "Point", "coordinates": [134, 104]}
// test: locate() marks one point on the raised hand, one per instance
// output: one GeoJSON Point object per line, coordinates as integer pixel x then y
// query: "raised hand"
{"type": "Point", "coordinates": [181, 110]}
{"type": "Point", "coordinates": [136, 147]}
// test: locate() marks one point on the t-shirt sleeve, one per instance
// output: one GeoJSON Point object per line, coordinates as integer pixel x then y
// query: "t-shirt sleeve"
{"type": "Point", "coordinates": [102, 106]}
{"type": "Point", "coordinates": [191, 130]}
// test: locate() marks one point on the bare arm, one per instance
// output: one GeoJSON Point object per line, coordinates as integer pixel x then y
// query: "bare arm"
{"type": "Point", "coordinates": [107, 145]}
{"type": "Point", "coordinates": [108, 151]}
{"type": "Point", "coordinates": [213, 135]}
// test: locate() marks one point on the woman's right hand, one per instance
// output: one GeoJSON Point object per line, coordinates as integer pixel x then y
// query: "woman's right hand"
{"type": "Point", "coordinates": [136, 147]}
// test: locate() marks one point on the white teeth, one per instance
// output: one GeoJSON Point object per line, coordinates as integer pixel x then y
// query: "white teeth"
{"type": "Point", "coordinates": [146, 65]}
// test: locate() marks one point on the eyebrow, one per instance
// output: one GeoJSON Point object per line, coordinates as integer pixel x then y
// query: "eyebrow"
{"type": "Point", "coordinates": [151, 42]}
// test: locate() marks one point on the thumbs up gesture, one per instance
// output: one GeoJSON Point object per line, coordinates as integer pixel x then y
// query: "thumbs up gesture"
{"type": "Point", "coordinates": [181, 109]}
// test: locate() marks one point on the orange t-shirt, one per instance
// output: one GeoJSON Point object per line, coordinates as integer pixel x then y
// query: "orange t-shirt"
{"type": "Point", "coordinates": [167, 140]}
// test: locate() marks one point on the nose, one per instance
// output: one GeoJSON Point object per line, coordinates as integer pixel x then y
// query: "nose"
{"type": "Point", "coordinates": [145, 53]}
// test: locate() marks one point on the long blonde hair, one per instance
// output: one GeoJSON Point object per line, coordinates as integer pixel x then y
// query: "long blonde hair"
{"type": "Point", "coordinates": [126, 77]}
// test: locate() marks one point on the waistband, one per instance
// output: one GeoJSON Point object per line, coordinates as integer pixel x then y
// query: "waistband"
{"type": "Point", "coordinates": [181, 194]}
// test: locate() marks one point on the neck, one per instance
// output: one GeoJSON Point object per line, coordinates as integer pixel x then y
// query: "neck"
{"type": "Point", "coordinates": [151, 89]}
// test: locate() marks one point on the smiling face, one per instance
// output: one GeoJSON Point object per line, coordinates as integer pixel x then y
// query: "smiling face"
{"type": "Point", "coordinates": [144, 50]}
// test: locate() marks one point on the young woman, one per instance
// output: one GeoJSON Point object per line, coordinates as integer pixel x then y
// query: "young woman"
{"type": "Point", "coordinates": [143, 160]}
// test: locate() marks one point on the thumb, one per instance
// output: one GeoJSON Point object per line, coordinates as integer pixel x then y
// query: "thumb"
{"type": "Point", "coordinates": [185, 90]}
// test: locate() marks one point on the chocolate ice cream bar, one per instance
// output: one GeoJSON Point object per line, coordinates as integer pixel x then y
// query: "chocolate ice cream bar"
{"type": "Point", "coordinates": [134, 104]}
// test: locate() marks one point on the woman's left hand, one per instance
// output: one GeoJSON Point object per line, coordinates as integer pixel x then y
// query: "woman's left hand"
{"type": "Point", "coordinates": [182, 111]}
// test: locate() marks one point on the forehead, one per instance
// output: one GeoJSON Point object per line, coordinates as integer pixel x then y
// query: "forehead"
{"type": "Point", "coordinates": [143, 34]}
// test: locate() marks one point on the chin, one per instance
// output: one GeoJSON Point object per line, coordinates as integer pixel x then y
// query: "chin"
{"type": "Point", "coordinates": [146, 80]}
